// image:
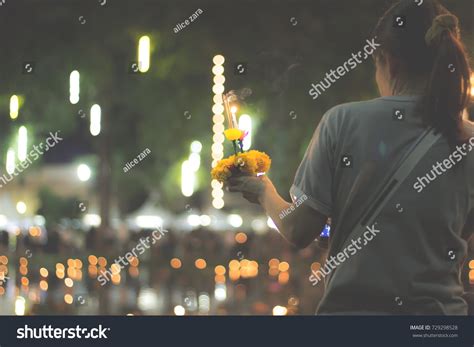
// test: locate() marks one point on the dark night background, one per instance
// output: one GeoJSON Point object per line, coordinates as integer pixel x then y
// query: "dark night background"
{"type": "Point", "coordinates": [286, 45]}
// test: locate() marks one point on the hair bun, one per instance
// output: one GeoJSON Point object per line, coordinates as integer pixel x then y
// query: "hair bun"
{"type": "Point", "coordinates": [441, 24]}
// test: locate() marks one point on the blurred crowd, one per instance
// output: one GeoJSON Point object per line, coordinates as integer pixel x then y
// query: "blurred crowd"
{"type": "Point", "coordinates": [197, 272]}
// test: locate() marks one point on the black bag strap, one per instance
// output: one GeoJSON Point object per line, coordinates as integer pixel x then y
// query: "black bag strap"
{"type": "Point", "coordinates": [401, 170]}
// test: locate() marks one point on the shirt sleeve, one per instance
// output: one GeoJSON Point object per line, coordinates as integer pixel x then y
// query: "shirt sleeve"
{"type": "Point", "coordinates": [314, 177]}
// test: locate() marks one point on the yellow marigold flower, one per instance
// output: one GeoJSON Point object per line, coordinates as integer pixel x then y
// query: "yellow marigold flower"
{"type": "Point", "coordinates": [222, 171]}
{"type": "Point", "coordinates": [232, 134]}
{"type": "Point", "coordinates": [263, 161]}
{"type": "Point", "coordinates": [247, 163]}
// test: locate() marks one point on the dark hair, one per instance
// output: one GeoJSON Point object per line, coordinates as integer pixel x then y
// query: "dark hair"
{"type": "Point", "coordinates": [427, 50]}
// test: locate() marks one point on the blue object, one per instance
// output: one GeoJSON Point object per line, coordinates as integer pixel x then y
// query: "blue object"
{"type": "Point", "coordinates": [326, 230]}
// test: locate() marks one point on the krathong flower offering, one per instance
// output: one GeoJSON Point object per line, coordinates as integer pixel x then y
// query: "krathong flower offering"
{"type": "Point", "coordinates": [250, 163]}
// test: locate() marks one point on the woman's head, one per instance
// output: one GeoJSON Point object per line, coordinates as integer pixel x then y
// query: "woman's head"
{"type": "Point", "coordinates": [421, 53]}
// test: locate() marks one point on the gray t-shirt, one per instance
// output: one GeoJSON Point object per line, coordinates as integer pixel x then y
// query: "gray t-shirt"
{"type": "Point", "coordinates": [412, 264]}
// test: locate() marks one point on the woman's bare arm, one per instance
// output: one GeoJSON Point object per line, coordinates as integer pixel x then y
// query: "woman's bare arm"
{"type": "Point", "coordinates": [300, 226]}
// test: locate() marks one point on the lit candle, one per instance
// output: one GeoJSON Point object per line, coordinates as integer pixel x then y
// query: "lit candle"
{"type": "Point", "coordinates": [227, 112]}
{"type": "Point", "coordinates": [233, 110]}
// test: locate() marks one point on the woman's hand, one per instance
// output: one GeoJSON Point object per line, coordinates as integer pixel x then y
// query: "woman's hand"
{"type": "Point", "coordinates": [300, 227]}
{"type": "Point", "coordinates": [252, 188]}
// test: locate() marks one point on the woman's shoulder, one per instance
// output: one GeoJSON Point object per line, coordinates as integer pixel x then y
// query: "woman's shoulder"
{"type": "Point", "coordinates": [355, 106]}
{"type": "Point", "coordinates": [354, 112]}
{"type": "Point", "coordinates": [366, 107]}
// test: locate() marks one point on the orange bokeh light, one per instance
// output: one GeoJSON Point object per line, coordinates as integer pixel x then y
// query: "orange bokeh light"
{"type": "Point", "coordinates": [68, 299]}
{"type": "Point", "coordinates": [283, 266]}
{"type": "Point", "coordinates": [25, 281]}
{"type": "Point", "coordinates": [241, 238]}
{"type": "Point", "coordinates": [273, 263]}
{"type": "Point", "coordinates": [219, 270]}
{"type": "Point", "coordinates": [102, 261]}
{"type": "Point", "coordinates": [234, 265]}
{"type": "Point", "coordinates": [43, 285]}
{"type": "Point", "coordinates": [283, 277]}
{"type": "Point", "coordinates": [200, 264]}
{"type": "Point", "coordinates": [175, 263]}
{"type": "Point", "coordinates": [92, 259]}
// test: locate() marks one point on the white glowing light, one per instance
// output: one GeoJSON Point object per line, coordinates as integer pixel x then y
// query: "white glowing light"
{"type": "Point", "coordinates": [22, 143]}
{"type": "Point", "coordinates": [216, 184]}
{"type": "Point", "coordinates": [144, 54]}
{"type": "Point", "coordinates": [194, 220]}
{"type": "Point", "coordinates": [149, 222]}
{"type": "Point", "coordinates": [218, 203]}
{"type": "Point", "coordinates": [217, 98]}
{"type": "Point", "coordinates": [83, 172]}
{"type": "Point", "coordinates": [194, 161]}
{"type": "Point", "coordinates": [217, 69]}
{"type": "Point", "coordinates": [218, 138]}
{"type": "Point", "coordinates": [196, 147]}
{"type": "Point", "coordinates": [20, 304]}
{"type": "Point", "coordinates": [218, 118]}
{"type": "Point", "coordinates": [217, 193]}
{"type": "Point", "coordinates": [218, 59]}
{"type": "Point", "coordinates": [74, 87]}
{"type": "Point", "coordinates": [3, 221]}
{"type": "Point", "coordinates": [280, 311]}
{"type": "Point", "coordinates": [147, 300]}
{"type": "Point", "coordinates": [245, 124]}
{"type": "Point", "coordinates": [187, 179]}
{"type": "Point", "coordinates": [218, 108]}
{"type": "Point", "coordinates": [220, 292]}
{"type": "Point", "coordinates": [21, 207]}
{"type": "Point", "coordinates": [219, 79]}
{"type": "Point", "coordinates": [204, 303]}
{"type": "Point", "coordinates": [95, 120]}
{"type": "Point", "coordinates": [217, 147]}
{"type": "Point", "coordinates": [259, 225]}
{"type": "Point", "coordinates": [39, 220]}
{"type": "Point", "coordinates": [235, 220]}
{"type": "Point", "coordinates": [205, 220]}
{"type": "Point", "coordinates": [179, 310]}
{"type": "Point", "coordinates": [218, 128]}
{"type": "Point", "coordinates": [216, 157]}
{"type": "Point", "coordinates": [10, 162]}
{"type": "Point", "coordinates": [92, 220]}
{"type": "Point", "coordinates": [14, 106]}
{"type": "Point", "coordinates": [73, 99]}
{"type": "Point", "coordinates": [218, 88]}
